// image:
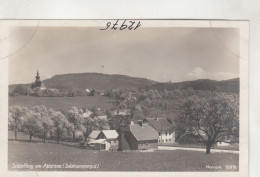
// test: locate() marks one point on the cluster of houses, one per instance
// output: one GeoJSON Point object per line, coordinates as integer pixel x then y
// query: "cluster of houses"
{"type": "Point", "coordinates": [143, 135]}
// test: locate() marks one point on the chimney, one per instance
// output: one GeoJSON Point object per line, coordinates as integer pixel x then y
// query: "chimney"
{"type": "Point", "coordinates": [140, 122]}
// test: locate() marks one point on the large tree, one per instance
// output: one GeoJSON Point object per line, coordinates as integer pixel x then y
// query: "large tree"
{"type": "Point", "coordinates": [74, 117]}
{"type": "Point", "coordinates": [209, 117]}
{"type": "Point", "coordinates": [45, 120]}
{"type": "Point", "coordinates": [16, 117]}
{"type": "Point", "coordinates": [60, 123]}
{"type": "Point", "coordinates": [47, 126]}
{"type": "Point", "coordinates": [32, 123]}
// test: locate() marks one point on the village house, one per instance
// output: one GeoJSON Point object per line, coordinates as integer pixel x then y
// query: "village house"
{"type": "Point", "coordinates": [163, 128]}
{"type": "Point", "coordinates": [123, 112]}
{"type": "Point", "coordinates": [138, 137]}
{"type": "Point", "coordinates": [111, 137]}
{"type": "Point", "coordinates": [103, 140]}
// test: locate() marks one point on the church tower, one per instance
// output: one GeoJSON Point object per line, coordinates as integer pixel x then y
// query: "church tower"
{"type": "Point", "coordinates": [37, 81]}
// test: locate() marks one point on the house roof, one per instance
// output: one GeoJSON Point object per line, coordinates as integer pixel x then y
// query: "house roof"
{"type": "Point", "coordinates": [159, 124]}
{"type": "Point", "coordinates": [94, 134]}
{"type": "Point", "coordinates": [87, 113]}
{"type": "Point", "coordinates": [142, 133]}
{"type": "Point", "coordinates": [110, 134]}
{"type": "Point", "coordinates": [125, 112]}
{"type": "Point", "coordinates": [97, 141]}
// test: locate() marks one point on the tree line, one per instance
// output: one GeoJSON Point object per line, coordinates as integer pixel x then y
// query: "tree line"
{"type": "Point", "coordinates": [27, 91]}
{"type": "Point", "coordinates": [47, 123]}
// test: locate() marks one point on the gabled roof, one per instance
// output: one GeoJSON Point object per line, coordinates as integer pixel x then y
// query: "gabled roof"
{"type": "Point", "coordinates": [94, 134]}
{"type": "Point", "coordinates": [110, 134]}
{"type": "Point", "coordinates": [159, 124]}
{"type": "Point", "coordinates": [97, 141]}
{"type": "Point", "coordinates": [145, 132]}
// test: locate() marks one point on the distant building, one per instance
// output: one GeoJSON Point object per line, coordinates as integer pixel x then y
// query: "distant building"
{"type": "Point", "coordinates": [163, 128]}
{"type": "Point", "coordinates": [90, 91]}
{"type": "Point", "coordinates": [38, 83]}
{"type": "Point", "coordinates": [124, 112]}
{"type": "Point", "coordinates": [138, 137]}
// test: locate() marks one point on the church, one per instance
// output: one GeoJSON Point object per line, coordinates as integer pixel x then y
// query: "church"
{"type": "Point", "coordinates": [38, 83]}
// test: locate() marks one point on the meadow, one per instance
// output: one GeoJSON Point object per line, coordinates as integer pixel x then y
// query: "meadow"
{"type": "Point", "coordinates": [56, 157]}
{"type": "Point", "coordinates": [62, 103]}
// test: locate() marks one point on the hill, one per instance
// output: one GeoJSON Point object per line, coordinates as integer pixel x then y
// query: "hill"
{"type": "Point", "coordinates": [231, 85]}
{"type": "Point", "coordinates": [100, 81]}
{"type": "Point", "coordinates": [96, 81]}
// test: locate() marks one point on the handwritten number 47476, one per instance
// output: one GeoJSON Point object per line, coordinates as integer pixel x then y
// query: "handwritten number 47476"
{"type": "Point", "coordinates": [131, 25]}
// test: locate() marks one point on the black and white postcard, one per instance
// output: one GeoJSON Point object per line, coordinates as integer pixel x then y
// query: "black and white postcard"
{"type": "Point", "coordinates": [125, 95]}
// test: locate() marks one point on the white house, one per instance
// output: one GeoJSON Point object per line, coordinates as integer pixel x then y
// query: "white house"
{"type": "Point", "coordinates": [164, 129]}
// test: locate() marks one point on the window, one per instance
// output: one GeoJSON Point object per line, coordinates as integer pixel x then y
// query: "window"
{"type": "Point", "coordinates": [170, 140]}
{"type": "Point", "coordinates": [166, 140]}
{"type": "Point", "coordinates": [159, 134]}
{"type": "Point", "coordinates": [162, 140]}
{"type": "Point", "coordinates": [159, 141]}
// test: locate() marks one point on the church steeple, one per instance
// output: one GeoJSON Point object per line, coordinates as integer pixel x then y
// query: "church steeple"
{"type": "Point", "coordinates": [37, 82]}
{"type": "Point", "coordinates": [37, 77]}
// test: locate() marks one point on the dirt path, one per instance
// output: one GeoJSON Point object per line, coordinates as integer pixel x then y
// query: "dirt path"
{"type": "Point", "coordinates": [196, 149]}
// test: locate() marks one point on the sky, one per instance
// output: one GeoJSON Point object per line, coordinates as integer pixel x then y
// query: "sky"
{"type": "Point", "coordinates": [162, 54]}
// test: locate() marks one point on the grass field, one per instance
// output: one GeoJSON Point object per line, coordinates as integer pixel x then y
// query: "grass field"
{"type": "Point", "coordinates": [62, 103]}
{"type": "Point", "coordinates": [38, 153]}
